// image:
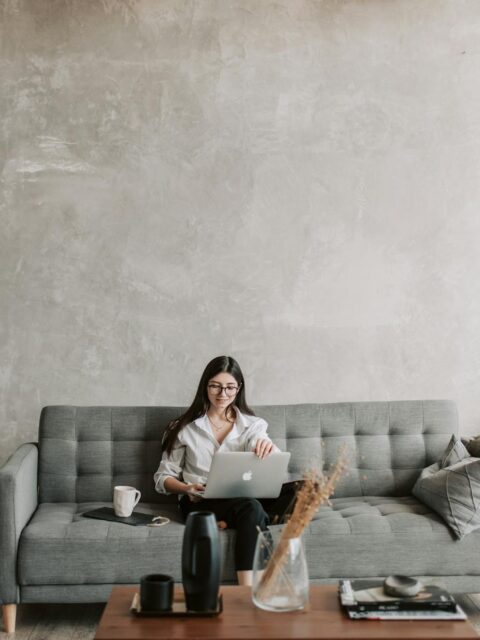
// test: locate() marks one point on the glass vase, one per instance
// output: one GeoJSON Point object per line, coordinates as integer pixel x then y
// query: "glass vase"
{"type": "Point", "coordinates": [280, 574]}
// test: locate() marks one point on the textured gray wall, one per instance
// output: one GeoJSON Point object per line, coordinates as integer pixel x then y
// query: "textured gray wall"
{"type": "Point", "coordinates": [295, 183]}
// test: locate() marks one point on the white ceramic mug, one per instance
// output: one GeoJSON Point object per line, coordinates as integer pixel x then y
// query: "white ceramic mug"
{"type": "Point", "coordinates": [124, 500]}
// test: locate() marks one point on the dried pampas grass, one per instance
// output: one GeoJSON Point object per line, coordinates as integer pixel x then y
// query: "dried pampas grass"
{"type": "Point", "coordinates": [315, 490]}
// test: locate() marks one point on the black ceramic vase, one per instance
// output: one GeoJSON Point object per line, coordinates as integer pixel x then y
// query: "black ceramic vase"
{"type": "Point", "coordinates": [201, 561]}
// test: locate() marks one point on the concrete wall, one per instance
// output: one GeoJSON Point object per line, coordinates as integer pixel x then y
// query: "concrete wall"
{"type": "Point", "coordinates": [294, 183]}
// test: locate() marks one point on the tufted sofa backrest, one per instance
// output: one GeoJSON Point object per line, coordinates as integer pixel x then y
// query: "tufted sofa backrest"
{"type": "Point", "coordinates": [387, 443]}
{"type": "Point", "coordinates": [86, 451]}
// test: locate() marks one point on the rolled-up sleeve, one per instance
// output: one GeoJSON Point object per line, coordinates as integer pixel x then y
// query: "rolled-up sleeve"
{"type": "Point", "coordinates": [258, 431]}
{"type": "Point", "coordinates": [171, 466]}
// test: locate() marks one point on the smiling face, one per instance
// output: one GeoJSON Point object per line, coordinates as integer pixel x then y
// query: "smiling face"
{"type": "Point", "coordinates": [222, 390]}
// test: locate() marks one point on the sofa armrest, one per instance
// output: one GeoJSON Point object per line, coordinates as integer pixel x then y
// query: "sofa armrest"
{"type": "Point", "coordinates": [18, 501]}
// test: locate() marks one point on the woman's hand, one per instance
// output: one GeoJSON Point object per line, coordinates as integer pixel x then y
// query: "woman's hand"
{"type": "Point", "coordinates": [194, 488]}
{"type": "Point", "coordinates": [263, 448]}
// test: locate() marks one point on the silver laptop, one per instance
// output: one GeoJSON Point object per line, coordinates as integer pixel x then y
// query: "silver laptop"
{"type": "Point", "coordinates": [244, 475]}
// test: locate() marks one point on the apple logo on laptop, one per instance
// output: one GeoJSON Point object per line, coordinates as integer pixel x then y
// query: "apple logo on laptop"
{"type": "Point", "coordinates": [247, 476]}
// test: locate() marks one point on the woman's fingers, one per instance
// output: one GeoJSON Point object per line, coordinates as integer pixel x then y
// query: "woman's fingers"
{"type": "Point", "coordinates": [263, 448]}
{"type": "Point", "coordinates": [267, 449]}
{"type": "Point", "coordinates": [259, 448]}
{"type": "Point", "coordinates": [192, 489]}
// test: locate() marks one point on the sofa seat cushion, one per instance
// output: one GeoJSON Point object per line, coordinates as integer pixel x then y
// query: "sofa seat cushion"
{"type": "Point", "coordinates": [60, 546]}
{"type": "Point", "coordinates": [378, 536]}
{"type": "Point", "coordinates": [352, 537]}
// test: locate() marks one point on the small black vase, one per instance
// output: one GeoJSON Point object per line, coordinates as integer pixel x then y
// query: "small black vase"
{"type": "Point", "coordinates": [201, 561]}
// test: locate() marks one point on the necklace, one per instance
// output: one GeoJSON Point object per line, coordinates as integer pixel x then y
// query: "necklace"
{"type": "Point", "coordinates": [216, 427]}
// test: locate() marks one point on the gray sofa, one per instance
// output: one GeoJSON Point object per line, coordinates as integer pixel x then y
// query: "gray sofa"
{"type": "Point", "coordinates": [373, 527]}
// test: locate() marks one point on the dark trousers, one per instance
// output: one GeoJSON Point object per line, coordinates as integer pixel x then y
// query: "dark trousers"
{"type": "Point", "coordinates": [246, 515]}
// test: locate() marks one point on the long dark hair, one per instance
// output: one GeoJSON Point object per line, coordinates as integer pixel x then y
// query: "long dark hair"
{"type": "Point", "coordinates": [201, 403]}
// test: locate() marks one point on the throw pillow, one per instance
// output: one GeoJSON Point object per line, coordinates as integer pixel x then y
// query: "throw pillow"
{"type": "Point", "coordinates": [454, 493]}
{"type": "Point", "coordinates": [473, 446]}
{"type": "Point", "coordinates": [454, 452]}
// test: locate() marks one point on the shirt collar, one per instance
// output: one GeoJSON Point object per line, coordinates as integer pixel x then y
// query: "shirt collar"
{"type": "Point", "coordinates": [242, 422]}
{"type": "Point", "coordinates": [202, 422]}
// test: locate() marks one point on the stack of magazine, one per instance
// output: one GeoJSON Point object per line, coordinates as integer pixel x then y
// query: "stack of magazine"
{"type": "Point", "coordinates": [367, 599]}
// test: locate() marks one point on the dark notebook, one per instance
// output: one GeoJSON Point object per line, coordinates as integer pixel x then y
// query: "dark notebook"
{"type": "Point", "coordinates": [107, 513]}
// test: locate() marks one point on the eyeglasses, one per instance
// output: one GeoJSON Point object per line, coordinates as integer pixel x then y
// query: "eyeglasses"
{"type": "Point", "coordinates": [217, 389]}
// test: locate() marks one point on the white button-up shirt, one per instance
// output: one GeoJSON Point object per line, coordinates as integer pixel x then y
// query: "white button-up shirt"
{"type": "Point", "coordinates": [192, 454]}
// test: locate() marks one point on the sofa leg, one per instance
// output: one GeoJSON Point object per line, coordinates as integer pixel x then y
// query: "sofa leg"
{"type": "Point", "coordinates": [9, 617]}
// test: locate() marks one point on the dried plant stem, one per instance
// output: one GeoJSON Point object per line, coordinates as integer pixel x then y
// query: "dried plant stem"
{"type": "Point", "coordinates": [315, 491]}
{"type": "Point", "coordinates": [285, 576]}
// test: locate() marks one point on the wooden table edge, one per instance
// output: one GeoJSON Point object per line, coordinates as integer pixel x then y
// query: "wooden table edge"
{"type": "Point", "coordinates": [333, 624]}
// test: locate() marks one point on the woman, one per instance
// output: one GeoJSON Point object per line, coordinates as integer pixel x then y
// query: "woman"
{"type": "Point", "coordinates": [219, 419]}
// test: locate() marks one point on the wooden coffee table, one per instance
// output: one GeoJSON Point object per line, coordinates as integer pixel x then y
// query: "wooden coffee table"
{"type": "Point", "coordinates": [241, 620]}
